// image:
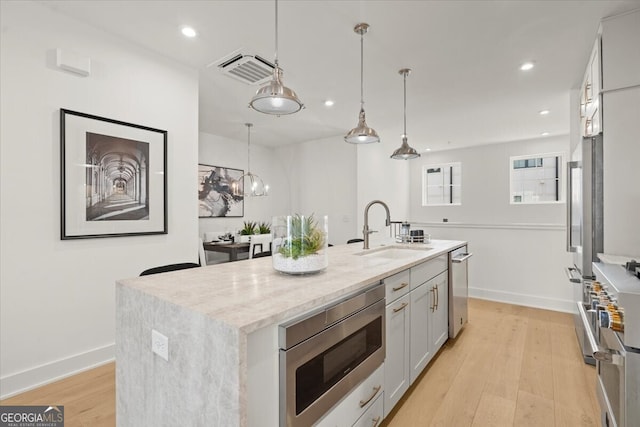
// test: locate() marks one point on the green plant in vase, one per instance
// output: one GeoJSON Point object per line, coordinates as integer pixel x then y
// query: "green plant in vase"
{"type": "Point", "coordinates": [264, 228]}
{"type": "Point", "coordinates": [248, 229]}
{"type": "Point", "coordinates": [305, 238]}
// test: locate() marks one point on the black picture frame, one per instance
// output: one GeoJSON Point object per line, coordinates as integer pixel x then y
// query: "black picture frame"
{"type": "Point", "coordinates": [113, 177]}
{"type": "Point", "coordinates": [220, 192]}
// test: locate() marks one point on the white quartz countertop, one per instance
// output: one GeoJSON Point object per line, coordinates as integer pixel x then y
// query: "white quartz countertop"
{"type": "Point", "coordinates": [250, 294]}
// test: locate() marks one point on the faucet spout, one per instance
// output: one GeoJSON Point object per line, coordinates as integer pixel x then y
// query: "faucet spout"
{"type": "Point", "coordinates": [365, 230]}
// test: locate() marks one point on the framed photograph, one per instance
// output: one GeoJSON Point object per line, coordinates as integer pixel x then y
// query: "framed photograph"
{"type": "Point", "coordinates": [113, 177]}
{"type": "Point", "coordinates": [220, 192]}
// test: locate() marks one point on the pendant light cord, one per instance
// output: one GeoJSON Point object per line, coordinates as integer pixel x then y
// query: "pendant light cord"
{"type": "Point", "coordinates": [362, 70]}
{"type": "Point", "coordinates": [276, 33]}
{"type": "Point", "coordinates": [405, 104]}
{"type": "Point", "coordinates": [248, 149]}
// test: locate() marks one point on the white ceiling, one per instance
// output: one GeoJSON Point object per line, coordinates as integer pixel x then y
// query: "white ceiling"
{"type": "Point", "coordinates": [466, 87]}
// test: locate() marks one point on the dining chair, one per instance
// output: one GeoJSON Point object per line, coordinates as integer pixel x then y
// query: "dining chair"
{"type": "Point", "coordinates": [202, 255]}
{"type": "Point", "coordinates": [260, 242]}
{"type": "Point", "coordinates": [262, 254]}
{"type": "Point", "coordinates": [354, 240]}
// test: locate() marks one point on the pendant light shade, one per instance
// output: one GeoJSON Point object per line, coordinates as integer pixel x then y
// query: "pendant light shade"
{"type": "Point", "coordinates": [362, 134]}
{"type": "Point", "coordinates": [254, 184]}
{"type": "Point", "coordinates": [405, 152]}
{"type": "Point", "coordinates": [274, 97]}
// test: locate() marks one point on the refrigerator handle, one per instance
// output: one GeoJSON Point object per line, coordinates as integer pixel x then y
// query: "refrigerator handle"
{"type": "Point", "coordinates": [569, 272]}
{"type": "Point", "coordinates": [570, 167]}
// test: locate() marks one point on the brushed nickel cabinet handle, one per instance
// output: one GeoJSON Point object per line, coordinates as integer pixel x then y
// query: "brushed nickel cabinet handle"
{"type": "Point", "coordinates": [587, 125]}
{"type": "Point", "coordinates": [404, 285]}
{"type": "Point", "coordinates": [587, 89]}
{"type": "Point", "coordinates": [433, 299]}
{"type": "Point", "coordinates": [363, 403]}
{"type": "Point", "coordinates": [376, 420]}
{"type": "Point", "coordinates": [402, 307]}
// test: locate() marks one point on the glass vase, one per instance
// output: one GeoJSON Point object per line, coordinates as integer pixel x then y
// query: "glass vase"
{"type": "Point", "coordinates": [299, 243]}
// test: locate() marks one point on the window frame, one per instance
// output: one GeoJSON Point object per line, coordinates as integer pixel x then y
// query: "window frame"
{"type": "Point", "coordinates": [560, 171]}
{"type": "Point", "coordinates": [424, 182]}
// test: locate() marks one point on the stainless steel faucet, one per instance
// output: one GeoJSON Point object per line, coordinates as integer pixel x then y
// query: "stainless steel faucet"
{"type": "Point", "coordinates": [365, 229]}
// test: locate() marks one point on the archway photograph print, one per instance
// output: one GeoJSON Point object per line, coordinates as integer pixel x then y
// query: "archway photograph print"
{"type": "Point", "coordinates": [113, 177]}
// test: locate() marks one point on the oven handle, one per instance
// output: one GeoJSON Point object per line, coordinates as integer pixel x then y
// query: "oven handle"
{"type": "Point", "coordinates": [599, 354]}
{"type": "Point", "coordinates": [569, 271]}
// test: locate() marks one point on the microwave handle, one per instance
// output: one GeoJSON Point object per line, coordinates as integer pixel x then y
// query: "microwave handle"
{"type": "Point", "coordinates": [570, 183]}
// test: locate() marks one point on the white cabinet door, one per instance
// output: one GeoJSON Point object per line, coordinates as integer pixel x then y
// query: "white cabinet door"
{"type": "Point", "coordinates": [440, 316]}
{"type": "Point", "coordinates": [620, 53]}
{"type": "Point", "coordinates": [357, 403]}
{"type": "Point", "coordinates": [422, 306]}
{"type": "Point", "coordinates": [590, 96]}
{"type": "Point", "coordinates": [396, 372]}
{"type": "Point", "coordinates": [373, 416]}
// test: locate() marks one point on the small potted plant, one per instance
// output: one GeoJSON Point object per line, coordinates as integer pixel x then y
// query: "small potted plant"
{"type": "Point", "coordinates": [248, 229]}
{"type": "Point", "coordinates": [299, 244]}
{"type": "Point", "coordinates": [264, 228]}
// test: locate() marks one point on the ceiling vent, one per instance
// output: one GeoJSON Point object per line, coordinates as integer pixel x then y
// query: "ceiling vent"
{"type": "Point", "coordinates": [249, 69]}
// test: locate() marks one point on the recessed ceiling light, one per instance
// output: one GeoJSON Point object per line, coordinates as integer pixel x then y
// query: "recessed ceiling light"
{"type": "Point", "coordinates": [427, 149]}
{"type": "Point", "coordinates": [526, 66]}
{"type": "Point", "coordinates": [328, 103]}
{"type": "Point", "coordinates": [188, 32]}
{"type": "Point", "coordinates": [545, 134]}
{"type": "Point", "coordinates": [544, 112]}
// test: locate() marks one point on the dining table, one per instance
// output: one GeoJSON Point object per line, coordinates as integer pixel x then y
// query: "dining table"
{"type": "Point", "coordinates": [231, 248]}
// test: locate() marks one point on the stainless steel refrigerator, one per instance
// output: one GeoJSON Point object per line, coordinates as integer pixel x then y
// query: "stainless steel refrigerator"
{"type": "Point", "coordinates": [584, 223]}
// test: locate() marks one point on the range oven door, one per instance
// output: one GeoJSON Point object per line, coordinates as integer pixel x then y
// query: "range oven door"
{"type": "Point", "coordinates": [618, 381]}
{"type": "Point", "coordinates": [318, 372]}
{"type": "Point", "coordinates": [584, 320]}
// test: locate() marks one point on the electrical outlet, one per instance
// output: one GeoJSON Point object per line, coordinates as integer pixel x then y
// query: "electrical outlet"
{"type": "Point", "coordinates": [160, 344]}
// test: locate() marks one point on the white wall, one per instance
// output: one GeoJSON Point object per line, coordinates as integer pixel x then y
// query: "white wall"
{"type": "Point", "coordinates": [382, 178]}
{"type": "Point", "coordinates": [340, 179]}
{"type": "Point", "coordinates": [485, 185]}
{"type": "Point", "coordinates": [57, 297]}
{"type": "Point", "coordinates": [519, 250]}
{"type": "Point", "coordinates": [322, 180]}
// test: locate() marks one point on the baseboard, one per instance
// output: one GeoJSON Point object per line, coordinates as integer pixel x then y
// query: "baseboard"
{"type": "Point", "coordinates": [20, 382]}
{"type": "Point", "coordinates": [534, 301]}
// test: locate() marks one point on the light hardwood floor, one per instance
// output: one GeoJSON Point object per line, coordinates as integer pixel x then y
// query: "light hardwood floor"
{"type": "Point", "coordinates": [510, 366]}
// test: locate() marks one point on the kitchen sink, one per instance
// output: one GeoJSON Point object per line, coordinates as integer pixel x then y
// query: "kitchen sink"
{"type": "Point", "coordinates": [392, 252]}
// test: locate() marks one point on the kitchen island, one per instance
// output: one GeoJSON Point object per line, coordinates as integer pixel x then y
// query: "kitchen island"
{"type": "Point", "coordinates": [221, 325]}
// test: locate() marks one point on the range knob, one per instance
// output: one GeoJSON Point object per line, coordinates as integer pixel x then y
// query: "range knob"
{"type": "Point", "coordinates": [611, 317]}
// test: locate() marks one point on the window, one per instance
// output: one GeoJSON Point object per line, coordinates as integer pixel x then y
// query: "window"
{"type": "Point", "coordinates": [442, 184]}
{"type": "Point", "coordinates": [536, 178]}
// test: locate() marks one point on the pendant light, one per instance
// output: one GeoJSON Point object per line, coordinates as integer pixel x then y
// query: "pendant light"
{"type": "Point", "coordinates": [274, 97]}
{"type": "Point", "coordinates": [255, 183]}
{"type": "Point", "coordinates": [405, 152]}
{"type": "Point", "coordinates": [362, 134]}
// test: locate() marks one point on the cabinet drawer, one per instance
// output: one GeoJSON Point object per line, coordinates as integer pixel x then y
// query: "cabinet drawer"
{"type": "Point", "coordinates": [355, 404]}
{"type": "Point", "coordinates": [428, 270]}
{"type": "Point", "coordinates": [373, 416]}
{"type": "Point", "coordinates": [397, 285]}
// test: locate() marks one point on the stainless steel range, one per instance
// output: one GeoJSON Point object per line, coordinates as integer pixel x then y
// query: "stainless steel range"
{"type": "Point", "coordinates": [615, 313]}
